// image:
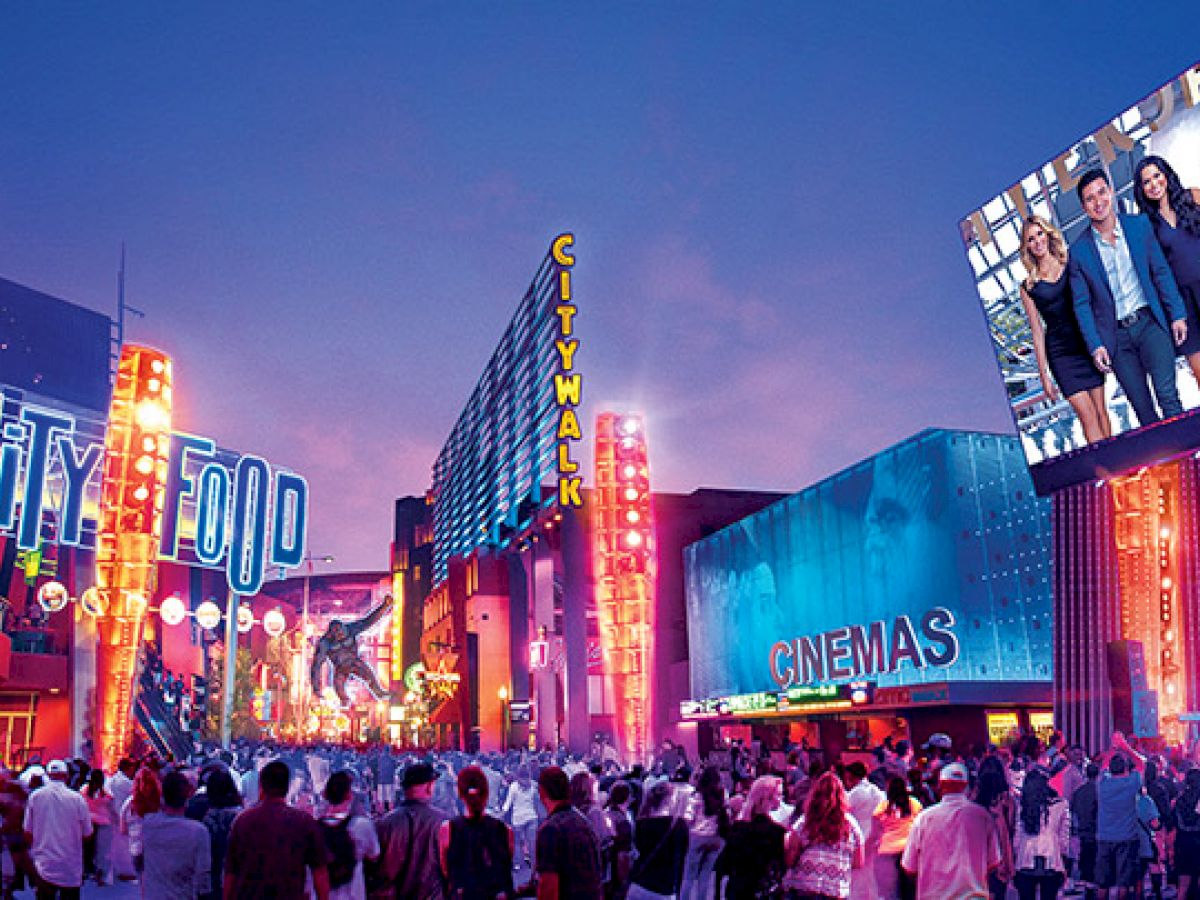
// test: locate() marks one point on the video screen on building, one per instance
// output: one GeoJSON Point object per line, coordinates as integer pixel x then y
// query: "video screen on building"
{"type": "Point", "coordinates": [1088, 270]}
{"type": "Point", "coordinates": [928, 563]}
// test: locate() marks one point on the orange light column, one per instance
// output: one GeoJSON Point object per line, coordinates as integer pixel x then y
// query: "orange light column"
{"type": "Point", "coordinates": [626, 569]}
{"type": "Point", "coordinates": [135, 469]}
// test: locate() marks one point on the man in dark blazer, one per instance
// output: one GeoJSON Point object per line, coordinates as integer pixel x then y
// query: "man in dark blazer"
{"type": "Point", "coordinates": [1129, 308]}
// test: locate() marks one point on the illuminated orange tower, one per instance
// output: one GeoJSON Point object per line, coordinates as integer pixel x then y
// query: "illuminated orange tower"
{"type": "Point", "coordinates": [131, 506]}
{"type": "Point", "coordinates": [1146, 513]}
{"type": "Point", "coordinates": [625, 567]}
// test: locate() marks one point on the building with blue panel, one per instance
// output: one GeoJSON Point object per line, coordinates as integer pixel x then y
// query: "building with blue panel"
{"type": "Point", "coordinates": [914, 580]}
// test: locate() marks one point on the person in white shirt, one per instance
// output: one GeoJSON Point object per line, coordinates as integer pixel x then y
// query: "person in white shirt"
{"type": "Point", "coordinates": [953, 844]}
{"type": "Point", "coordinates": [121, 788]}
{"type": "Point", "coordinates": [56, 822]}
{"type": "Point", "coordinates": [521, 806]}
{"type": "Point", "coordinates": [864, 798]}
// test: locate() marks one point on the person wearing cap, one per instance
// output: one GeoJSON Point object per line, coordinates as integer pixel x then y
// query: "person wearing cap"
{"type": "Point", "coordinates": [953, 845]}
{"type": "Point", "coordinates": [56, 822]}
{"type": "Point", "coordinates": [408, 838]}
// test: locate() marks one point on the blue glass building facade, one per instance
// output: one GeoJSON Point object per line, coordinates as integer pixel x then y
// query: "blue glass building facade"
{"type": "Point", "coordinates": [928, 563]}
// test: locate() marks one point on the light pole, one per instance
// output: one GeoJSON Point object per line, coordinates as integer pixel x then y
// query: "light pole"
{"type": "Point", "coordinates": [503, 695]}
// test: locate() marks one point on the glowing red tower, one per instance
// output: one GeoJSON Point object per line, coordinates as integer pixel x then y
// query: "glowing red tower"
{"type": "Point", "coordinates": [131, 506]}
{"type": "Point", "coordinates": [625, 567]}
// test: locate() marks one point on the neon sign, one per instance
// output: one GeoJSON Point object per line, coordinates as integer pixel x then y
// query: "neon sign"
{"type": "Point", "coordinates": [245, 517]}
{"type": "Point", "coordinates": [568, 384]}
{"type": "Point", "coordinates": [856, 652]}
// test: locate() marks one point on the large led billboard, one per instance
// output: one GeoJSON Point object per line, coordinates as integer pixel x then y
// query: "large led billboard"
{"type": "Point", "coordinates": [1088, 269]}
{"type": "Point", "coordinates": [927, 563]}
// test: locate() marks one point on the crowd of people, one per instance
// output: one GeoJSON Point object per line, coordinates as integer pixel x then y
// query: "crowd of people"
{"type": "Point", "coordinates": [1039, 820]}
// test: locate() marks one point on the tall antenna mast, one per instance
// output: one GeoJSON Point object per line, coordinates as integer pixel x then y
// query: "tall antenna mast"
{"type": "Point", "coordinates": [122, 309]}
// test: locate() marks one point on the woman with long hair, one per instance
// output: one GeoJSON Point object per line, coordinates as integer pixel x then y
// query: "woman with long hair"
{"type": "Point", "coordinates": [1042, 839]}
{"type": "Point", "coordinates": [1174, 211]}
{"type": "Point", "coordinates": [1187, 833]}
{"type": "Point", "coordinates": [145, 799]}
{"type": "Point", "coordinates": [753, 858]}
{"type": "Point", "coordinates": [476, 850]}
{"type": "Point", "coordinates": [994, 794]}
{"type": "Point", "coordinates": [893, 821]}
{"type": "Point", "coordinates": [104, 817]}
{"type": "Point", "coordinates": [224, 804]}
{"type": "Point", "coordinates": [708, 824]}
{"type": "Point", "coordinates": [822, 851]}
{"type": "Point", "coordinates": [1063, 361]}
{"type": "Point", "coordinates": [662, 842]}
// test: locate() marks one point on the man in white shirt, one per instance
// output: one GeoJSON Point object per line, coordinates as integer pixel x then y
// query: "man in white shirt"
{"type": "Point", "coordinates": [56, 822]}
{"type": "Point", "coordinates": [121, 787]}
{"type": "Point", "coordinates": [864, 797]}
{"type": "Point", "coordinates": [953, 845]}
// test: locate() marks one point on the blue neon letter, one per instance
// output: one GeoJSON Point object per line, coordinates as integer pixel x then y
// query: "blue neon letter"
{"type": "Point", "coordinates": [248, 550]}
{"type": "Point", "coordinates": [76, 473]}
{"type": "Point", "coordinates": [179, 486]}
{"type": "Point", "coordinates": [44, 424]}
{"type": "Point", "coordinates": [287, 548]}
{"type": "Point", "coordinates": [211, 514]}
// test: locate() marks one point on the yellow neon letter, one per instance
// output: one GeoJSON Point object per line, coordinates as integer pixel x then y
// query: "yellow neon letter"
{"type": "Point", "coordinates": [566, 313]}
{"type": "Point", "coordinates": [567, 389]}
{"type": "Point", "coordinates": [559, 249]}
{"type": "Point", "coordinates": [566, 350]}
{"type": "Point", "coordinates": [565, 463]}
{"type": "Point", "coordinates": [564, 284]}
{"type": "Point", "coordinates": [568, 491]}
{"type": "Point", "coordinates": [568, 425]}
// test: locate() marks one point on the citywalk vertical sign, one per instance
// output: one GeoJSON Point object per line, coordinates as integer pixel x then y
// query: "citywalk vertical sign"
{"type": "Point", "coordinates": [568, 383]}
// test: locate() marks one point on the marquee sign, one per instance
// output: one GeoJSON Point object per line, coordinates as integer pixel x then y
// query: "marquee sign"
{"type": "Point", "coordinates": [863, 651]}
{"type": "Point", "coordinates": [243, 516]}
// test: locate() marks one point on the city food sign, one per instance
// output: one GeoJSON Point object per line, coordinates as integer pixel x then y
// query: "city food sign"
{"type": "Point", "coordinates": [242, 515]}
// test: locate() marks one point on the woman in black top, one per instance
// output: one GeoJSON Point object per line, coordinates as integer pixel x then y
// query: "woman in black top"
{"type": "Point", "coordinates": [662, 842]}
{"type": "Point", "coordinates": [476, 850]}
{"type": "Point", "coordinates": [224, 804]}
{"type": "Point", "coordinates": [753, 858]}
{"type": "Point", "coordinates": [1064, 362]}
{"type": "Point", "coordinates": [1174, 211]}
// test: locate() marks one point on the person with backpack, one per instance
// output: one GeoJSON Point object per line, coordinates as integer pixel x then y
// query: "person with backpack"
{"type": "Point", "coordinates": [475, 849]}
{"type": "Point", "coordinates": [349, 839]}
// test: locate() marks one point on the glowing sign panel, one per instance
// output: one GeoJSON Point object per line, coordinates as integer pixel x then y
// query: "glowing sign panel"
{"type": "Point", "coordinates": [241, 515]}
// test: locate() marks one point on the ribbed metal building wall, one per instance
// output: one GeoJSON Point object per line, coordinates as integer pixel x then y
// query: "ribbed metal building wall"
{"type": "Point", "coordinates": [1189, 580]}
{"type": "Point", "coordinates": [1087, 612]}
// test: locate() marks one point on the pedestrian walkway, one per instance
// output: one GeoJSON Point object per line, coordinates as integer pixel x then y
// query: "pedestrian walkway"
{"type": "Point", "coordinates": [122, 890]}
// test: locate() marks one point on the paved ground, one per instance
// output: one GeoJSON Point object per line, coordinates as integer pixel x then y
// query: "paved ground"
{"type": "Point", "coordinates": [126, 890]}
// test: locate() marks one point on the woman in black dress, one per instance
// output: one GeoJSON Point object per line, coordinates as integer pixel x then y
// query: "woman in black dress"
{"type": "Point", "coordinates": [1065, 366]}
{"type": "Point", "coordinates": [1174, 211]}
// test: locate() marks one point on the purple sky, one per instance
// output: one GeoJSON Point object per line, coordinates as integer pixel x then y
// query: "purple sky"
{"type": "Point", "coordinates": [332, 213]}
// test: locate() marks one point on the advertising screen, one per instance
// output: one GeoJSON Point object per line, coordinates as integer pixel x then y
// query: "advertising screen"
{"type": "Point", "coordinates": [1088, 270]}
{"type": "Point", "coordinates": [927, 563]}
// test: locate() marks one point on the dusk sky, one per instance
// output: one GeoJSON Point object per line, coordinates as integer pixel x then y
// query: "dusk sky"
{"type": "Point", "coordinates": [332, 211]}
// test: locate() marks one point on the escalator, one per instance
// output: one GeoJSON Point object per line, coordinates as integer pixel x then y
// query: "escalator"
{"type": "Point", "coordinates": [162, 728]}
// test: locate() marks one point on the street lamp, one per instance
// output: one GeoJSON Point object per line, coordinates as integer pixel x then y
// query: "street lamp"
{"type": "Point", "coordinates": [503, 695]}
